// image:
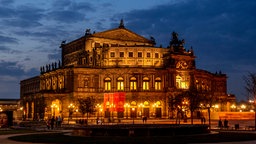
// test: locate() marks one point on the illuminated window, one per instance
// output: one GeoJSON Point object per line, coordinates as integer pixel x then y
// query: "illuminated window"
{"type": "Point", "coordinates": [54, 83]}
{"type": "Point", "coordinates": [48, 83]}
{"type": "Point", "coordinates": [133, 83]}
{"type": "Point", "coordinates": [182, 82]}
{"type": "Point", "coordinates": [32, 109]}
{"type": "Point", "coordinates": [120, 84]}
{"type": "Point", "coordinates": [203, 85]}
{"type": "Point", "coordinates": [197, 84]}
{"type": "Point", "coordinates": [139, 54]}
{"type": "Point", "coordinates": [146, 103]}
{"type": "Point", "coordinates": [107, 83]}
{"type": "Point", "coordinates": [112, 54]}
{"type": "Point", "coordinates": [133, 103]}
{"type": "Point", "coordinates": [145, 83]}
{"type": "Point", "coordinates": [61, 82]}
{"type": "Point", "coordinates": [158, 83]}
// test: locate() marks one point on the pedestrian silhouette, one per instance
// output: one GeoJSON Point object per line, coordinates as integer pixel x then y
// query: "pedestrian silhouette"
{"type": "Point", "coordinates": [220, 123]}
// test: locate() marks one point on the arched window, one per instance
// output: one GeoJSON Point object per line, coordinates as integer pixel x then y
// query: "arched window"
{"type": "Point", "coordinates": [120, 84]}
{"type": "Point", "coordinates": [182, 81]}
{"type": "Point", "coordinates": [133, 103]}
{"type": "Point", "coordinates": [145, 83]}
{"type": "Point", "coordinates": [107, 83]}
{"type": "Point", "coordinates": [203, 85]}
{"type": "Point", "coordinates": [158, 83]}
{"type": "Point", "coordinates": [133, 83]}
{"type": "Point", "coordinates": [197, 85]}
{"type": "Point", "coordinates": [61, 81]}
{"type": "Point", "coordinates": [54, 83]}
{"type": "Point", "coordinates": [146, 103]}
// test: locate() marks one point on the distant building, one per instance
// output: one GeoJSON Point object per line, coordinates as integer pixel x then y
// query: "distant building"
{"type": "Point", "coordinates": [126, 73]}
{"type": "Point", "coordinates": [9, 112]}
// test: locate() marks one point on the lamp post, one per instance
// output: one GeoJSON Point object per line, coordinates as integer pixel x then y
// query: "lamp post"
{"type": "Point", "coordinates": [98, 107]}
{"type": "Point", "coordinates": [243, 107]}
{"type": "Point", "coordinates": [20, 112]}
{"type": "Point", "coordinates": [233, 107]}
{"type": "Point", "coordinates": [141, 107]}
{"type": "Point", "coordinates": [133, 109]}
{"type": "Point", "coordinates": [155, 106]}
{"type": "Point", "coordinates": [209, 114]}
{"type": "Point", "coordinates": [76, 114]}
{"type": "Point", "coordinates": [101, 114]}
{"type": "Point", "coordinates": [70, 108]}
{"type": "Point", "coordinates": [126, 109]}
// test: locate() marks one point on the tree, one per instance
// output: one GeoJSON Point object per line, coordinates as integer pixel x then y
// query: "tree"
{"type": "Point", "coordinates": [86, 105]}
{"type": "Point", "coordinates": [208, 99]}
{"type": "Point", "coordinates": [250, 87]}
{"type": "Point", "coordinates": [177, 104]}
{"type": "Point", "coordinates": [194, 100]}
{"type": "Point", "coordinates": [193, 96]}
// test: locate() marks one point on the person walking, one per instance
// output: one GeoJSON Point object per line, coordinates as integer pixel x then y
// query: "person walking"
{"type": "Point", "coordinates": [220, 124]}
{"type": "Point", "coordinates": [204, 120]}
{"type": "Point", "coordinates": [59, 121]}
{"type": "Point", "coordinates": [52, 122]}
{"type": "Point", "coordinates": [225, 123]}
{"type": "Point", "coordinates": [48, 123]}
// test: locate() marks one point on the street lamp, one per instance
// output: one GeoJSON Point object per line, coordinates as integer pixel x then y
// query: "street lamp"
{"type": "Point", "coordinates": [154, 110]}
{"type": "Point", "coordinates": [209, 114]}
{"type": "Point", "coordinates": [76, 114]}
{"type": "Point", "coordinates": [243, 107]}
{"type": "Point", "coordinates": [233, 107]}
{"type": "Point", "coordinates": [126, 109]}
{"type": "Point", "coordinates": [133, 109]}
{"type": "Point", "coordinates": [20, 112]}
{"type": "Point", "coordinates": [101, 114]}
{"type": "Point", "coordinates": [98, 106]}
{"type": "Point", "coordinates": [141, 107]}
{"type": "Point", "coordinates": [112, 108]}
{"type": "Point", "coordinates": [70, 108]}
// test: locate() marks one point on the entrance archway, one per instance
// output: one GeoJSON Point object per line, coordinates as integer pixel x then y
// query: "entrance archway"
{"type": "Point", "coordinates": [56, 108]}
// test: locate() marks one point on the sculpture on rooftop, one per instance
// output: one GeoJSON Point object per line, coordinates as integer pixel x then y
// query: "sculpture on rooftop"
{"type": "Point", "coordinates": [121, 24]}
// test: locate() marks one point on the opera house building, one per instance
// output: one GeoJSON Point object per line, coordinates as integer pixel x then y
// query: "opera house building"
{"type": "Point", "coordinates": [126, 74]}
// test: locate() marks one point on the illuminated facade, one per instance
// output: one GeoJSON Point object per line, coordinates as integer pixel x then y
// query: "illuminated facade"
{"type": "Point", "coordinates": [118, 61]}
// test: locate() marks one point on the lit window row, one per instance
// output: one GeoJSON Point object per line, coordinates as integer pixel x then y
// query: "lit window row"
{"type": "Point", "coordinates": [133, 83]}
{"type": "Point", "coordinates": [132, 54]}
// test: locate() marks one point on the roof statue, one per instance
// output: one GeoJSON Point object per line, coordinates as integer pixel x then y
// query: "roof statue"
{"type": "Point", "coordinates": [175, 40]}
{"type": "Point", "coordinates": [62, 43]}
{"type": "Point", "coordinates": [176, 44]}
{"type": "Point", "coordinates": [88, 32]}
{"type": "Point", "coordinates": [121, 24]}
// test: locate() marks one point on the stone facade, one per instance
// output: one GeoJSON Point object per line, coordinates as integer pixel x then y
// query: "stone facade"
{"type": "Point", "coordinates": [118, 60]}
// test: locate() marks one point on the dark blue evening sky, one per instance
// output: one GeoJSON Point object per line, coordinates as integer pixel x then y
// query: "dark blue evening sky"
{"type": "Point", "coordinates": [221, 32]}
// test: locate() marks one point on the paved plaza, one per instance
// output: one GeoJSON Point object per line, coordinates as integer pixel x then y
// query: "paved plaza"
{"type": "Point", "coordinates": [243, 124]}
{"type": "Point", "coordinates": [242, 127]}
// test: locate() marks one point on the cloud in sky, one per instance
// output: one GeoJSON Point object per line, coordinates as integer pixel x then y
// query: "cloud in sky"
{"type": "Point", "coordinates": [221, 32]}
